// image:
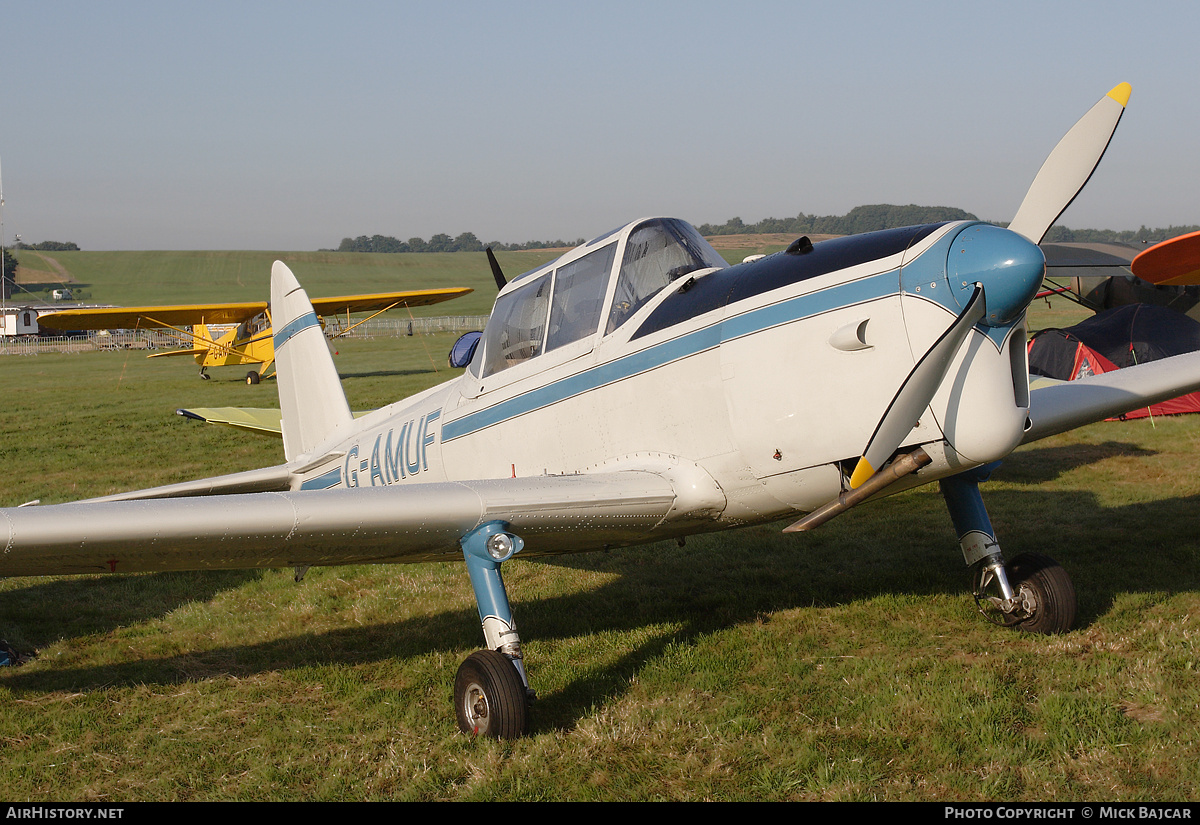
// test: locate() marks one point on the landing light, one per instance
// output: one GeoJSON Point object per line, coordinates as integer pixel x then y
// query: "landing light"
{"type": "Point", "coordinates": [500, 546]}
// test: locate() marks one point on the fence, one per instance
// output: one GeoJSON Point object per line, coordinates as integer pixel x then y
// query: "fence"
{"type": "Point", "coordinates": [153, 340]}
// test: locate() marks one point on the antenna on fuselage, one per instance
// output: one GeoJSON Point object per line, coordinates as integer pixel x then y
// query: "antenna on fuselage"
{"type": "Point", "coordinates": [496, 271]}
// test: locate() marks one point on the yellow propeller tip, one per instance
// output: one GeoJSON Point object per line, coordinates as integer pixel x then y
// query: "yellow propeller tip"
{"type": "Point", "coordinates": [862, 471]}
{"type": "Point", "coordinates": [1120, 93]}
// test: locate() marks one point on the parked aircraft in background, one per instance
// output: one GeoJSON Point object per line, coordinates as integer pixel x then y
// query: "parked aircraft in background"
{"type": "Point", "coordinates": [247, 336]}
{"type": "Point", "coordinates": [1102, 276]}
{"type": "Point", "coordinates": [639, 388]}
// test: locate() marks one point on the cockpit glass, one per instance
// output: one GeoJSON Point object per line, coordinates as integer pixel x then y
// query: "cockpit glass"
{"type": "Point", "coordinates": [579, 289]}
{"type": "Point", "coordinates": [517, 328]}
{"type": "Point", "coordinates": [657, 252]}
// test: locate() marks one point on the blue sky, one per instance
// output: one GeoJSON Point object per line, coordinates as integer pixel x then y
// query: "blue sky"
{"type": "Point", "coordinates": [288, 126]}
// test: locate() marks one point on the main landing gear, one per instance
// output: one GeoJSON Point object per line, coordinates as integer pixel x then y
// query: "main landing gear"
{"type": "Point", "coordinates": [1032, 592]}
{"type": "Point", "coordinates": [491, 690]}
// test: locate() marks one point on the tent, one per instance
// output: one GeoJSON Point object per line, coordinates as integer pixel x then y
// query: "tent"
{"type": "Point", "coordinates": [1119, 337]}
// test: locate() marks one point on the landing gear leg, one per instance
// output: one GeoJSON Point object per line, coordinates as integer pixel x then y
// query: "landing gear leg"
{"type": "Point", "coordinates": [1032, 592]}
{"type": "Point", "coordinates": [204, 376]}
{"type": "Point", "coordinates": [491, 690]}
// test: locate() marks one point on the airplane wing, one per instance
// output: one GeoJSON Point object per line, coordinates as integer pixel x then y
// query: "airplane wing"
{"type": "Point", "coordinates": [1060, 406]}
{"type": "Point", "coordinates": [234, 313]}
{"type": "Point", "coordinates": [385, 300]}
{"type": "Point", "coordinates": [151, 317]}
{"type": "Point", "coordinates": [396, 524]}
{"type": "Point", "coordinates": [253, 519]}
{"type": "Point", "coordinates": [1173, 263]}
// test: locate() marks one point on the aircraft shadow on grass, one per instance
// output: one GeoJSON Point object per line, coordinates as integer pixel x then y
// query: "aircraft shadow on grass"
{"type": "Point", "coordinates": [713, 583]}
{"type": "Point", "coordinates": [1043, 464]}
{"type": "Point", "coordinates": [385, 373]}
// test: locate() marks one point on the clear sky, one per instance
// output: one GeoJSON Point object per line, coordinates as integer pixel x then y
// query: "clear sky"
{"type": "Point", "coordinates": [290, 125]}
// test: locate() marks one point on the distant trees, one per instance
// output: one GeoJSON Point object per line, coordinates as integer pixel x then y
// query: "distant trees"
{"type": "Point", "coordinates": [49, 246]}
{"type": "Point", "coordinates": [466, 242]}
{"type": "Point", "coordinates": [8, 274]}
{"type": "Point", "coordinates": [859, 219]}
{"type": "Point", "coordinates": [1061, 234]}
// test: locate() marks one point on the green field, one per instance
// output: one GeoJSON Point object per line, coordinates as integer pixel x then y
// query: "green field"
{"type": "Point", "coordinates": [157, 278]}
{"type": "Point", "coordinates": [845, 664]}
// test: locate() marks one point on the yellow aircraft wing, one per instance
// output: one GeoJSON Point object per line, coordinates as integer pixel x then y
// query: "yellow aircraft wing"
{"type": "Point", "coordinates": [151, 317]}
{"type": "Point", "coordinates": [188, 314]}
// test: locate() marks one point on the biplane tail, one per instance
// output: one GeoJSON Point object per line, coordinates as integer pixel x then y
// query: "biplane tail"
{"type": "Point", "coordinates": [312, 403]}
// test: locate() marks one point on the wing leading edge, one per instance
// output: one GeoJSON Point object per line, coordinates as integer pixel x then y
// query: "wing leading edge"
{"type": "Point", "coordinates": [398, 524]}
{"type": "Point", "coordinates": [1064, 406]}
{"type": "Point", "coordinates": [160, 317]}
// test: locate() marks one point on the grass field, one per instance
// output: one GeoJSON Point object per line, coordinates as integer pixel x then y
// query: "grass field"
{"type": "Point", "coordinates": [158, 278]}
{"type": "Point", "coordinates": [846, 664]}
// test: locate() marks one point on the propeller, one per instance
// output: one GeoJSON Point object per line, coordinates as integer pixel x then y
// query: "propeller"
{"type": "Point", "coordinates": [496, 272]}
{"type": "Point", "coordinates": [1069, 166]}
{"type": "Point", "coordinates": [1010, 282]}
{"type": "Point", "coordinates": [917, 391]}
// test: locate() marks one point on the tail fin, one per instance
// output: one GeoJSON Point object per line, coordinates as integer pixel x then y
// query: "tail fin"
{"type": "Point", "coordinates": [311, 400]}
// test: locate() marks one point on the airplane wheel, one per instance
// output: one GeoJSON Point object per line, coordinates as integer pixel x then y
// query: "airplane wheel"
{"type": "Point", "coordinates": [252, 377]}
{"type": "Point", "coordinates": [1045, 594]}
{"type": "Point", "coordinates": [489, 697]}
{"type": "Point", "coordinates": [204, 376]}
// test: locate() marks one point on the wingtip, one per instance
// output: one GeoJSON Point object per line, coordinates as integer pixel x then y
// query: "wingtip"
{"type": "Point", "coordinates": [1120, 93]}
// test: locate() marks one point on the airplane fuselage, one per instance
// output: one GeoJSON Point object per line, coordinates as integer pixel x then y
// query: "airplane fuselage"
{"type": "Point", "coordinates": [752, 384]}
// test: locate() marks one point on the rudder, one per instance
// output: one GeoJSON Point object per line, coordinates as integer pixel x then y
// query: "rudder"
{"type": "Point", "coordinates": [311, 400]}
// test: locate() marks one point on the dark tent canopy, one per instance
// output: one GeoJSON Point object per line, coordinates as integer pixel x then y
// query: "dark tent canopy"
{"type": "Point", "coordinates": [1120, 337]}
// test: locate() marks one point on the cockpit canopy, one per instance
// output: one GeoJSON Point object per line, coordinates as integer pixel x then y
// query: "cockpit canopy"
{"type": "Point", "coordinates": [565, 301]}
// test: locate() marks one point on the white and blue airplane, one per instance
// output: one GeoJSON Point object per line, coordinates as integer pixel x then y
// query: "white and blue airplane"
{"type": "Point", "coordinates": [637, 389]}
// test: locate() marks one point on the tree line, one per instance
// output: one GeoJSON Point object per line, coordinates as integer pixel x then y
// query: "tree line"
{"type": "Point", "coordinates": [466, 242]}
{"type": "Point", "coordinates": [859, 219]}
{"type": "Point", "coordinates": [48, 246]}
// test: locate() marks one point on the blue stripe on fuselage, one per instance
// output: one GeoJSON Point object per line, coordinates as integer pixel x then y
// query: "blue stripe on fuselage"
{"type": "Point", "coordinates": [323, 481]}
{"type": "Point", "coordinates": [688, 344]}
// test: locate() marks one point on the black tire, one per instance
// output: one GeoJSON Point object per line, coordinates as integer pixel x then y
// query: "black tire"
{"type": "Point", "coordinates": [1046, 593]}
{"type": "Point", "coordinates": [490, 698]}
{"type": "Point", "coordinates": [252, 377]}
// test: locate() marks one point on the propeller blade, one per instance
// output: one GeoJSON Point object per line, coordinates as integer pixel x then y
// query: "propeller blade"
{"type": "Point", "coordinates": [496, 273]}
{"type": "Point", "coordinates": [917, 391]}
{"type": "Point", "coordinates": [1069, 166]}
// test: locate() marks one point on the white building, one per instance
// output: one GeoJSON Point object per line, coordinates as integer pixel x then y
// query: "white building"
{"type": "Point", "coordinates": [18, 321]}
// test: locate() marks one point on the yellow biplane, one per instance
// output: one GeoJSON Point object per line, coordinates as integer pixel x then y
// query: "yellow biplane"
{"type": "Point", "coordinates": [236, 334]}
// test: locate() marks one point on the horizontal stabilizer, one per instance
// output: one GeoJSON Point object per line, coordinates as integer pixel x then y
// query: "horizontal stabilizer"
{"type": "Point", "coordinates": [257, 420]}
{"type": "Point", "coordinates": [266, 479]}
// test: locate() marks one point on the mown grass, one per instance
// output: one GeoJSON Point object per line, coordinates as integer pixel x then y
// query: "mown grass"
{"type": "Point", "coordinates": [847, 664]}
{"type": "Point", "coordinates": [158, 278]}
